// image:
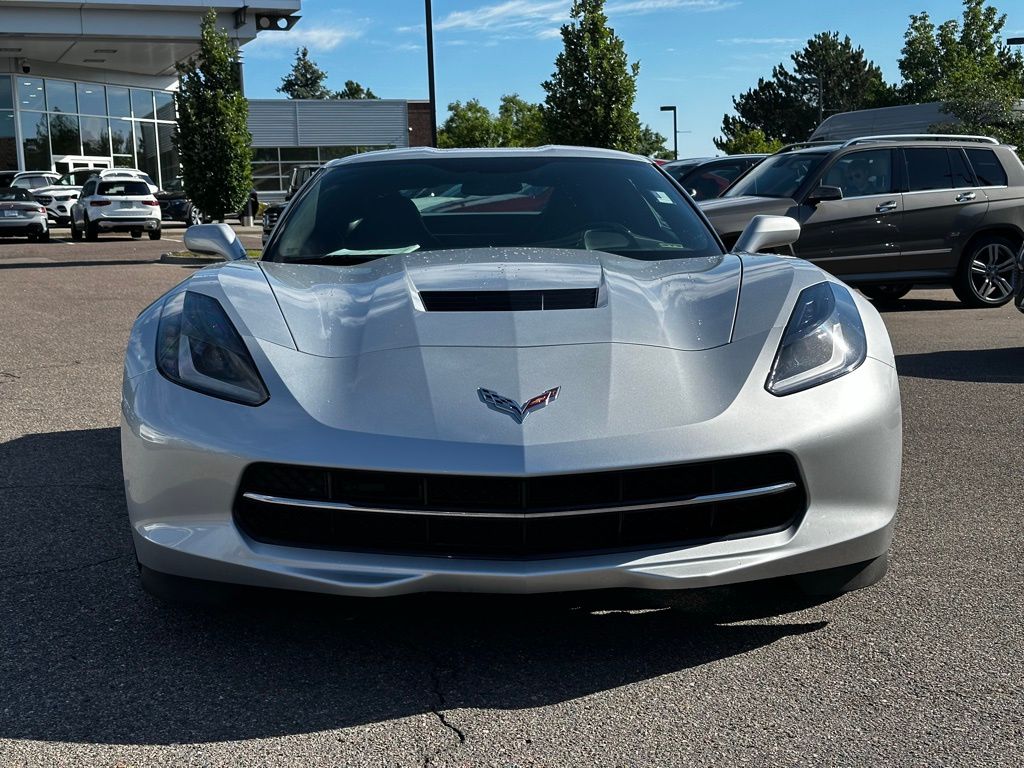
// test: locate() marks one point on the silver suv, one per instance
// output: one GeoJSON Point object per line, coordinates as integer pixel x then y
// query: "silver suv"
{"type": "Point", "coordinates": [886, 213]}
{"type": "Point", "coordinates": [113, 204]}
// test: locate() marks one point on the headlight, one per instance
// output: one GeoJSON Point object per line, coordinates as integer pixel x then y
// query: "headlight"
{"type": "Point", "coordinates": [199, 348]}
{"type": "Point", "coordinates": [824, 340]}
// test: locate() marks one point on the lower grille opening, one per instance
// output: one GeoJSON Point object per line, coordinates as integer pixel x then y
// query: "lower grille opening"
{"type": "Point", "coordinates": [519, 518]}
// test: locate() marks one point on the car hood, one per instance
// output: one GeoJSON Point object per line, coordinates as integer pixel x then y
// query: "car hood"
{"type": "Point", "coordinates": [342, 311]}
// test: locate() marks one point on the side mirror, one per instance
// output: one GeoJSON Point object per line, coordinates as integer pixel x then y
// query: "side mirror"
{"type": "Point", "coordinates": [824, 194]}
{"type": "Point", "coordinates": [767, 232]}
{"type": "Point", "coordinates": [214, 240]}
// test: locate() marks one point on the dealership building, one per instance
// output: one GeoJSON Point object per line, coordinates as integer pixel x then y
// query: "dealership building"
{"type": "Point", "coordinates": [89, 84]}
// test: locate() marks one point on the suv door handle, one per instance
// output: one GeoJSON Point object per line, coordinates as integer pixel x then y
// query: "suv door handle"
{"type": "Point", "coordinates": [886, 207]}
{"type": "Point", "coordinates": [965, 196]}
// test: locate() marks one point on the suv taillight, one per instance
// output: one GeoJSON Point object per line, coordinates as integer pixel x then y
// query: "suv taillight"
{"type": "Point", "coordinates": [98, 203]}
{"type": "Point", "coordinates": [150, 202]}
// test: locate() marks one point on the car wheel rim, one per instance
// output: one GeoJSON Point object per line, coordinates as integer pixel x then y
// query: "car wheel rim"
{"type": "Point", "coordinates": [197, 217]}
{"type": "Point", "coordinates": [992, 272]}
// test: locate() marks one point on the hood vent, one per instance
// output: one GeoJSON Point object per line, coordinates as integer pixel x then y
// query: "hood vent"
{"type": "Point", "coordinates": [509, 301]}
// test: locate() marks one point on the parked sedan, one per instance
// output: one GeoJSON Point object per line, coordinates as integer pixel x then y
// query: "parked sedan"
{"type": "Point", "coordinates": [568, 384]}
{"type": "Point", "coordinates": [175, 204]}
{"type": "Point", "coordinates": [20, 215]}
{"type": "Point", "coordinates": [115, 205]}
{"type": "Point", "coordinates": [706, 178]}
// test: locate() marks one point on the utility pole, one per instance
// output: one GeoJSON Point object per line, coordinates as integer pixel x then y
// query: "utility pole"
{"type": "Point", "coordinates": [430, 74]}
{"type": "Point", "coordinates": [675, 130]}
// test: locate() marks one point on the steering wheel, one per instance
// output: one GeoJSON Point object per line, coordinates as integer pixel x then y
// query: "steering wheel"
{"type": "Point", "coordinates": [608, 226]}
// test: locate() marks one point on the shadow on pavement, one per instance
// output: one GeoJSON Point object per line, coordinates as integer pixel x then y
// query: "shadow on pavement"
{"type": "Point", "coordinates": [91, 263]}
{"type": "Point", "coordinates": [918, 305]}
{"type": "Point", "coordinates": [88, 657]}
{"type": "Point", "coordinates": [997, 366]}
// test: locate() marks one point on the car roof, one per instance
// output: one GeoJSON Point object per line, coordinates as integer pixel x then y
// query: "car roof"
{"type": "Point", "coordinates": [427, 153]}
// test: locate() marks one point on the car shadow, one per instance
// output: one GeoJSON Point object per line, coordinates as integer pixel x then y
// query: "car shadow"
{"type": "Point", "coordinates": [996, 366]}
{"type": "Point", "coordinates": [919, 305]}
{"type": "Point", "coordinates": [88, 657]}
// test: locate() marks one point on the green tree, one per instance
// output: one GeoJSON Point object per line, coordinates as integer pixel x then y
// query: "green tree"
{"type": "Point", "coordinates": [212, 137]}
{"type": "Point", "coordinates": [354, 90]}
{"type": "Point", "coordinates": [748, 142]}
{"type": "Point", "coordinates": [468, 125]}
{"type": "Point", "coordinates": [591, 92]}
{"type": "Point", "coordinates": [520, 123]}
{"type": "Point", "coordinates": [517, 124]}
{"type": "Point", "coordinates": [652, 144]}
{"type": "Point", "coordinates": [306, 80]}
{"type": "Point", "coordinates": [967, 65]}
{"type": "Point", "coordinates": [786, 107]}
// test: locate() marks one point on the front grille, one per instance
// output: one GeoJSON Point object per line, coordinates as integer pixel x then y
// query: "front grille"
{"type": "Point", "coordinates": [516, 517]}
{"type": "Point", "coordinates": [509, 301]}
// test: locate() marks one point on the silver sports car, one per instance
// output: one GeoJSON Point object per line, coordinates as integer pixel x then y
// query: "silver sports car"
{"type": "Point", "coordinates": [508, 371]}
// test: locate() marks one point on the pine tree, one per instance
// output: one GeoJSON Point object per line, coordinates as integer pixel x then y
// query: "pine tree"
{"type": "Point", "coordinates": [306, 80]}
{"type": "Point", "coordinates": [590, 94]}
{"type": "Point", "coordinates": [212, 136]}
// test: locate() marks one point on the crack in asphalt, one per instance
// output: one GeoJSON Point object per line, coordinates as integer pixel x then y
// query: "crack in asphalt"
{"type": "Point", "coordinates": [439, 711]}
{"type": "Point", "coordinates": [69, 569]}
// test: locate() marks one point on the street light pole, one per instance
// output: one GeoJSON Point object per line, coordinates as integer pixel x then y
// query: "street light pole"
{"type": "Point", "coordinates": [675, 130]}
{"type": "Point", "coordinates": [430, 73]}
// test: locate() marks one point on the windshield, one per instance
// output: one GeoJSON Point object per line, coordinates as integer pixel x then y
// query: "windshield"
{"type": "Point", "coordinates": [9, 194]}
{"type": "Point", "coordinates": [364, 210]}
{"type": "Point", "coordinates": [778, 176]}
{"type": "Point", "coordinates": [174, 185]}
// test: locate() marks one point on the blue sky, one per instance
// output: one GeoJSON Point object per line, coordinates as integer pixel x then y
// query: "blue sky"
{"type": "Point", "coordinates": [693, 53]}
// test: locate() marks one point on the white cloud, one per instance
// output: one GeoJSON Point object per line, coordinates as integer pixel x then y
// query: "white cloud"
{"type": "Point", "coordinates": [535, 17]}
{"type": "Point", "coordinates": [318, 39]}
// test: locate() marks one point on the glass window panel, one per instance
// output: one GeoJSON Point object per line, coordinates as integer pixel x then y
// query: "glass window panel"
{"type": "Point", "coordinates": [264, 154]}
{"type": "Point", "coordinates": [287, 168]}
{"type": "Point", "coordinates": [169, 164]}
{"type": "Point", "coordinates": [6, 97]}
{"type": "Point", "coordinates": [270, 184]}
{"type": "Point", "coordinates": [989, 170]}
{"type": "Point", "coordinates": [8, 143]}
{"type": "Point", "coordinates": [142, 104]}
{"type": "Point", "coordinates": [118, 102]}
{"type": "Point", "coordinates": [960, 170]}
{"type": "Point", "coordinates": [121, 142]}
{"type": "Point", "coordinates": [333, 153]}
{"type": "Point", "coordinates": [146, 150]}
{"type": "Point", "coordinates": [35, 137]}
{"type": "Point", "coordinates": [928, 169]}
{"type": "Point", "coordinates": [64, 136]}
{"type": "Point", "coordinates": [92, 99]}
{"type": "Point", "coordinates": [266, 169]}
{"type": "Point", "coordinates": [95, 136]}
{"type": "Point", "coordinates": [164, 105]}
{"type": "Point", "coordinates": [60, 97]}
{"type": "Point", "coordinates": [124, 161]}
{"type": "Point", "coordinates": [307, 154]}
{"type": "Point", "coordinates": [30, 93]}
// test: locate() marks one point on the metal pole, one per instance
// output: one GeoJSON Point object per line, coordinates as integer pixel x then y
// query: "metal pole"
{"type": "Point", "coordinates": [430, 74]}
{"type": "Point", "coordinates": [821, 102]}
{"type": "Point", "coordinates": [675, 129]}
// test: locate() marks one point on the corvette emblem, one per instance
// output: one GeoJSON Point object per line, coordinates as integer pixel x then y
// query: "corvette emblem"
{"type": "Point", "coordinates": [518, 412]}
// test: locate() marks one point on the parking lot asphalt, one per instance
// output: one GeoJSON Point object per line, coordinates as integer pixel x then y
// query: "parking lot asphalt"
{"type": "Point", "coordinates": [923, 669]}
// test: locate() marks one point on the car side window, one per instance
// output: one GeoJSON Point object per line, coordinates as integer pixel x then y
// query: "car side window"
{"type": "Point", "coordinates": [960, 170]}
{"type": "Point", "coordinates": [928, 169]}
{"type": "Point", "coordinates": [89, 188]}
{"type": "Point", "coordinates": [986, 165]}
{"type": "Point", "coordinates": [862, 174]}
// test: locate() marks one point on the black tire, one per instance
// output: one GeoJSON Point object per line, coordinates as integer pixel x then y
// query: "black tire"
{"type": "Point", "coordinates": [985, 276]}
{"type": "Point", "coordinates": [31, 237]}
{"type": "Point", "coordinates": [136, 234]}
{"type": "Point", "coordinates": [846, 578]}
{"type": "Point", "coordinates": [76, 233]}
{"type": "Point", "coordinates": [43, 237]}
{"type": "Point", "coordinates": [154, 234]}
{"type": "Point", "coordinates": [182, 590]}
{"type": "Point", "coordinates": [886, 294]}
{"type": "Point", "coordinates": [92, 230]}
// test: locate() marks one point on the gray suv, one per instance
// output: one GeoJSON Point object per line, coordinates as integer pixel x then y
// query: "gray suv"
{"type": "Point", "coordinates": [886, 213]}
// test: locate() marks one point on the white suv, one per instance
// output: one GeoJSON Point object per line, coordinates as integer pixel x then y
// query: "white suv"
{"type": "Point", "coordinates": [61, 194]}
{"type": "Point", "coordinates": [115, 204]}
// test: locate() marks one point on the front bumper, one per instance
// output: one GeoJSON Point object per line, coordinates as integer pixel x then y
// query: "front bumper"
{"type": "Point", "coordinates": [181, 481]}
